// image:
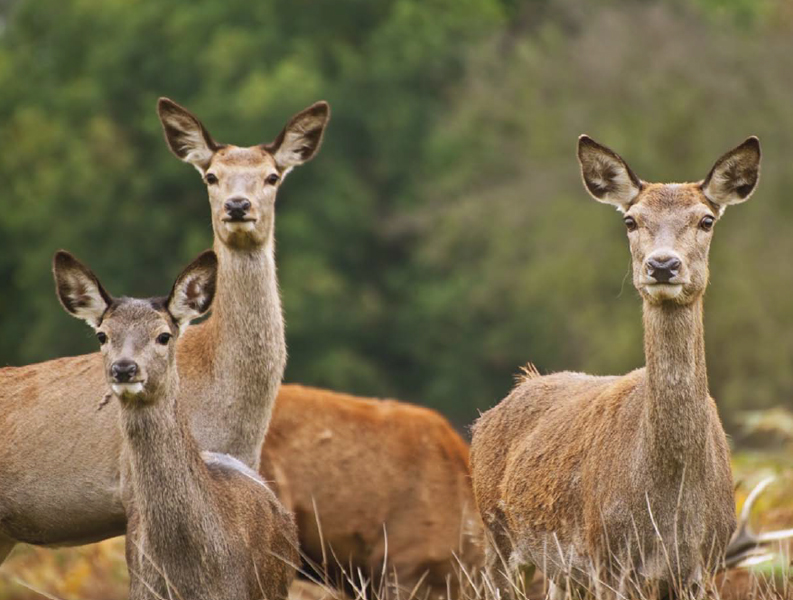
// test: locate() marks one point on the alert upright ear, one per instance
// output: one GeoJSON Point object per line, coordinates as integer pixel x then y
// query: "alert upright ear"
{"type": "Point", "coordinates": [194, 289]}
{"type": "Point", "coordinates": [735, 175]}
{"type": "Point", "coordinates": [607, 177]}
{"type": "Point", "coordinates": [79, 290]}
{"type": "Point", "coordinates": [187, 138]}
{"type": "Point", "coordinates": [301, 138]}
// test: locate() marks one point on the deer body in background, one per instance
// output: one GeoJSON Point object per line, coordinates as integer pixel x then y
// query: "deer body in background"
{"type": "Point", "coordinates": [378, 477]}
{"type": "Point", "coordinates": [64, 485]}
{"type": "Point", "coordinates": [197, 529]}
{"type": "Point", "coordinates": [618, 483]}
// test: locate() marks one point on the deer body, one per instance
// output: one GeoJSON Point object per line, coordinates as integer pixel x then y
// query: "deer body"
{"type": "Point", "coordinates": [622, 483]}
{"type": "Point", "coordinates": [65, 485]}
{"type": "Point", "coordinates": [202, 529]}
{"type": "Point", "coordinates": [367, 469]}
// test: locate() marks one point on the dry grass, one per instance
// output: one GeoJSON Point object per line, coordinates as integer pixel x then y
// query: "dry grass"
{"type": "Point", "coordinates": [98, 571]}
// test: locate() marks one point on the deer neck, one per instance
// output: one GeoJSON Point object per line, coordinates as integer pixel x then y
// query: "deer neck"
{"type": "Point", "coordinates": [677, 408]}
{"type": "Point", "coordinates": [171, 487]}
{"type": "Point", "coordinates": [248, 342]}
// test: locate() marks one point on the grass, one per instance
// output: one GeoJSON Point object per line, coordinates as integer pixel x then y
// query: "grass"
{"type": "Point", "coordinates": [98, 571]}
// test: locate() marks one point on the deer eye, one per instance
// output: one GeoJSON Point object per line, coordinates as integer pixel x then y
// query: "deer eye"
{"type": "Point", "coordinates": [630, 223]}
{"type": "Point", "coordinates": [706, 224]}
{"type": "Point", "coordinates": [272, 179]}
{"type": "Point", "coordinates": [164, 338]}
{"type": "Point", "coordinates": [102, 337]}
{"type": "Point", "coordinates": [211, 178]}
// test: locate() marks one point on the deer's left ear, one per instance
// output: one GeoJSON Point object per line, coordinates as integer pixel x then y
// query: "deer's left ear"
{"type": "Point", "coordinates": [194, 289]}
{"type": "Point", "coordinates": [301, 138]}
{"type": "Point", "coordinates": [735, 175]}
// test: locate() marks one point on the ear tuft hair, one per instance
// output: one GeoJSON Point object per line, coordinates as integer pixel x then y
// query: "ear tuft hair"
{"type": "Point", "coordinates": [79, 290]}
{"type": "Point", "coordinates": [607, 177]}
{"type": "Point", "coordinates": [194, 289]}
{"type": "Point", "coordinates": [734, 177]}
{"type": "Point", "coordinates": [186, 136]}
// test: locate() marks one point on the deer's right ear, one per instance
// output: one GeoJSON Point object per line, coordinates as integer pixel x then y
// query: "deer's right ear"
{"type": "Point", "coordinates": [194, 289]}
{"type": "Point", "coordinates": [187, 138]}
{"type": "Point", "coordinates": [79, 290]}
{"type": "Point", "coordinates": [607, 177]}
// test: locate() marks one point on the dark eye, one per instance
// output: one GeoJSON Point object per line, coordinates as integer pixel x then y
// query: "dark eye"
{"type": "Point", "coordinates": [164, 338]}
{"type": "Point", "coordinates": [102, 337]}
{"type": "Point", "coordinates": [272, 179]}
{"type": "Point", "coordinates": [706, 224]}
{"type": "Point", "coordinates": [630, 223]}
{"type": "Point", "coordinates": [211, 178]}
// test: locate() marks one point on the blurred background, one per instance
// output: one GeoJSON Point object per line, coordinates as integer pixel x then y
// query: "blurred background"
{"type": "Point", "coordinates": [442, 237]}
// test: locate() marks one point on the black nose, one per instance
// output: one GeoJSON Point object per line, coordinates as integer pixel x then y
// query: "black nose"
{"type": "Point", "coordinates": [237, 208]}
{"type": "Point", "coordinates": [123, 370]}
{"type": "Point", "coordinates": [663, 269]}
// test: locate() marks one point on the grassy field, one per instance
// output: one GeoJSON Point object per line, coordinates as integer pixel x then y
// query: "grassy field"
{"type": "Point", "coordinates": [98, 572]}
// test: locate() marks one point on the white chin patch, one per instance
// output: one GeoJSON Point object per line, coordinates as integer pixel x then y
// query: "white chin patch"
{"type": "Point", "coordinates": [664, 291]}
{"type": "Point", "coordinates": [240, 226]}
{"type": "Point", "coordinates": [127, 389]}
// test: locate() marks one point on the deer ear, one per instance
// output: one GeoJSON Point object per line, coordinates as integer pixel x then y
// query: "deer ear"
{"type": "Point", "coordinates": [301, 138]}
{"type": "Point", "coordinates": [187, 138]}
{"type": "Point", "coordinates": [607, 177]}
{"type": "Point", "coordinates": [79, 290]}
{"type": "Point", "coordinates": [735, 175]}
{"type": "Point", "coordinates": [194, 289]}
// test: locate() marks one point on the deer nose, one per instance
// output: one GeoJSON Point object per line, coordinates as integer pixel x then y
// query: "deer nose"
{"type": "Point", "coordinates": [123, 370]}
{"type": "Point", "coordinates": [237, 208]}
{"type": "Point", "coordinates": [663, 268]}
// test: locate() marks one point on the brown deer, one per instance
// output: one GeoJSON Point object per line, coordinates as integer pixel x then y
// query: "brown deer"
{"type": "Point", "coordinates": [63, 485]}
{"type": "Point", "coordinates": [614, 483]}
{"type": "Point", "coordinates": [198, 527]}
{"type": "Point", "coordinates": [373, 481]}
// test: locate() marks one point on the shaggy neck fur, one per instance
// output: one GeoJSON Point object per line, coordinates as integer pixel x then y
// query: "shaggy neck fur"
{"type": "Point", "coordinates": [170, 483]}
{"type": "Point", "coordinates": [676, 416]}
{"type": "Point", "coordinates": [247, 337]}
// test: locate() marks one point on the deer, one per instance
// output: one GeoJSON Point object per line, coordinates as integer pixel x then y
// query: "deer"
{"type": "Point", "coordinates": [622, 482]}
{"type": "Point", "coordinates": [378, 487]}
{"type": "Point", "coordinates": [66, 485]}
{"type": "Point", "coordinates": [200, 525]}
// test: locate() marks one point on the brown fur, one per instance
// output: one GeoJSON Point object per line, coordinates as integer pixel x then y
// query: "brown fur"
{"type": "Point", "coordinates": [368, 465]}
{"type": "Point", "coordinates": [618, 483]}
{"type": "Point", "coordinates": [63, 486]}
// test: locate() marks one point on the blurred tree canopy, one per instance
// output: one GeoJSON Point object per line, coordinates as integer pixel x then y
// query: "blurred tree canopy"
{"type": "Point", "coordinates": [442, 236]}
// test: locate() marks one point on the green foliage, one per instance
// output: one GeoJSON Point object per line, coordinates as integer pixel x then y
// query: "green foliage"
{"type": "Point", "coordinates": [442, 237]}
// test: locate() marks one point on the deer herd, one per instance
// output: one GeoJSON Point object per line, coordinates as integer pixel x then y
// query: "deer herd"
{"type": "Point", "coordinates": [610, 486]}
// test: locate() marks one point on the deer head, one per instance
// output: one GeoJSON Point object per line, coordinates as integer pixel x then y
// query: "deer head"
{"type": "Point", "coordinates": [137, 337]}
{"type": "Point", "coordinates": [670, 226]}
{"type": "Point", "coordinates": [243, 182]}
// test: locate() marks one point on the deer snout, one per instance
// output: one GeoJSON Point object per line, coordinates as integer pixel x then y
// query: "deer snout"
{"type": "Point", "coordinates": [663, 268]}
{"type": "Point", "coordinates": [123, 371]}
{"type": "Point", "coordinates": [237, 208]}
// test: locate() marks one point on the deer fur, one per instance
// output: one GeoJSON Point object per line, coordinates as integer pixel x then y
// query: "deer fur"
{"type": "Point", "coordinates": [64, 485]}
{"type": "Point", "coordinates": [614, 483]}
{"type": "Point", "coordinates": [366, 469]}
{"type": "Point", "coordinates": [199, 527]}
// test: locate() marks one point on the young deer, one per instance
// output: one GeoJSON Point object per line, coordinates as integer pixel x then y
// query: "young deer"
{"type": "Point", "coordinates": [199, 527]}
{"type": "Point", "coordinates": [623, 481]}
{"type": "Point", "coordinates": [231, 364]}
